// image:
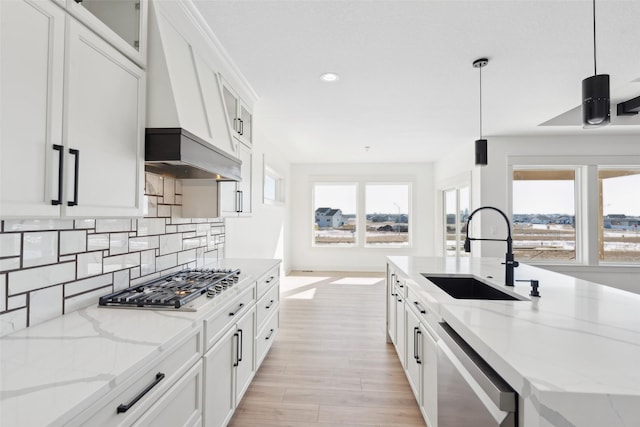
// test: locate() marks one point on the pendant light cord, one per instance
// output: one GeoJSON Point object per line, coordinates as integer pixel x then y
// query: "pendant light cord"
{"type": "Point", "coordinates": [480, 68]}
{"type": "Point", "coordinates": [595, 71]}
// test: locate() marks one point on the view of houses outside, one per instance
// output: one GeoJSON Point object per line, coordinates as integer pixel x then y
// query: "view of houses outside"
{"type": "Point", "coordinates": [386, 214]}
{"type": "Point", "coordinates": [544, 219]}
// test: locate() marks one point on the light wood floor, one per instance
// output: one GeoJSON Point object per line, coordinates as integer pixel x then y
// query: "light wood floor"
{"type": "Point", "coordinates": [330, 364]}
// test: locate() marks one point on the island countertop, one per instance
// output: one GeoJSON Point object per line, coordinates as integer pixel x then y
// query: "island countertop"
{"type": "Point", "coordinates": [572, 354]}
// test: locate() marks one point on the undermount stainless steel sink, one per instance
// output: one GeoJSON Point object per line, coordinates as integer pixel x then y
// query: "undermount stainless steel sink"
{"type": "Point", "coordinates": [462, 287]}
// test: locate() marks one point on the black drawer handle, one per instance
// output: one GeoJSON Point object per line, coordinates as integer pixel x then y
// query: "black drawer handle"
{"type": "Point", "coordinates": [60, 150]}
{"type": "Point", "coordinates": [233, 313]}
{"type": "Point", "coordinates": [241, 350]}
{"type": "Point", "coordinates": [419, 307]}
{"type": "Point", "coordinates": [270, 304]}
{"type": "Point", "coordinates": [122, 408]}
{"type": "Point", "coordinates": [418, 333]}
{"type": "Point", "coordinates": [75, 153]}
{"type": "Point", "coordinates": [269, 336]}
{"type": "Point", "coordinates": [269, 279]}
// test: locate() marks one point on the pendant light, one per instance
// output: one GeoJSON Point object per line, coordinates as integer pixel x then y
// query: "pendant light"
{"type": "Point", "coordinates": [481, 144]}
{"type": "Point", "coordinates": [596, 108]}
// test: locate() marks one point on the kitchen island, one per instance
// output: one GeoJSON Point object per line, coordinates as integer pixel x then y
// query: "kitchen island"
{"type": "Point", "coordinates": [88, 367]}
{"type": "Point", "coordinates": [571, 355]}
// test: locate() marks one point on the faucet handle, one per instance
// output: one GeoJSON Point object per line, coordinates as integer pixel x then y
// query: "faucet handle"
{"type": "Point", "coordinates": [534, 287]}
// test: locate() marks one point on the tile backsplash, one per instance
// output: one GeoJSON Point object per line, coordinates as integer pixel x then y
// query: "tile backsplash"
{"type": "Point", "coordinates": [51, 267]}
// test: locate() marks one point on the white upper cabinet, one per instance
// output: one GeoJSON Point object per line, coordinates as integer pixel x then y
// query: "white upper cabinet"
{"type": "Point", "coordinates": [123, 23]}
{"type": "Point", "coordinates": [31, 75]}
{"type": "Point", "coordinates": [239, 116]}
{"type": "Point", "coordinates": [104, 120]}
{"type": "Point", "coordinates": [234, 198]}
{"type": "Point", "coordinates": [72, 118]}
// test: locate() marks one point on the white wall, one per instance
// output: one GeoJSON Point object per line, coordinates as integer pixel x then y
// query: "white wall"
{"type": "Point", "coordinates": [306, 257]}
{"type": "Point", "coordinates": [263, 234]}
{"type": "Point", "coordinates": [490, 185]}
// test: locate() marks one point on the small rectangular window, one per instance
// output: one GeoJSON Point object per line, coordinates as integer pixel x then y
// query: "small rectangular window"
{"type": "Point", "coordinates": [273, 187]}
{"type": "Point", "coordinates": [619, 195]}
{"type": "Point", "coordinates": [544, 226]}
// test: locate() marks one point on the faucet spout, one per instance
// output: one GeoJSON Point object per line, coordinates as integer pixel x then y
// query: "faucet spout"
{"type": "Point", "coordinates": [509, 261]}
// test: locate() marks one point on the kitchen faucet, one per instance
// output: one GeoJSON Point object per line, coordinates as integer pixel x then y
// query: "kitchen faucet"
{"type": "Point", "coordinates": [509, 262]}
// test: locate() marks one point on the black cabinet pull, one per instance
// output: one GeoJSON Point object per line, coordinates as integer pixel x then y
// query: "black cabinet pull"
{"type": "Point", "coordinates": [415, 343]}
{"type": "Point", "coordinates": [241, 201]}
{"type": "Point", "coordinates": [75, 153]}
{"type": "Point", "coordinates": [418, 333]}
{"type": "Point", "coordinates": [419, 307]}
{"type": "Point", "coordinates": [241, 126]}
{"type": "Point", "coordinates": [268, 337]}
{"type": "Point", "coordinates": [237, 349]}
{"type": "Point", "coordinates": [270, 304]}
{"type": "Point", "coordinates": [269, 279]}
{"type": "Point", "coordinates": [233, 313]}
{"type": "Point", "coordinates": [60, 150]}
{"type": "Point", "coordinates": [122, 408]}
{"type": "Point", "coordinates": [240, 341]}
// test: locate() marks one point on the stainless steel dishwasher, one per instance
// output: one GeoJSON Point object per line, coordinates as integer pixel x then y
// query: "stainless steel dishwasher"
{"type": "Point", "coordinates": [470, 392]}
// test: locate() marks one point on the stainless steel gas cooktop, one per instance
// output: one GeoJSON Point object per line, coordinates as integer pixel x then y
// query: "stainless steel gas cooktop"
{"type": "Point", "coordinates": [175, 291]}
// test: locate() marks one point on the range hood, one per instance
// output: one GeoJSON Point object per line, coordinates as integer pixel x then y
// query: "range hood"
{"type": "Point", "coordinates": [188, 134]}
{"type": "Point", "coordinates": [178, 153]}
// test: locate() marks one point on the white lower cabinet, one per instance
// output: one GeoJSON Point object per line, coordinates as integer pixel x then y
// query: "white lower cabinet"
{"type": "Point", "coordinates": [176, 375]}
{"type": "Point", "coordinates": [429, 401]}
{"type": "Point", "coordinates": [180, 406]}
{"type": "Point", "coordinates": [415, 352]}
{"type": "Point", "coordinates": [229, 367]}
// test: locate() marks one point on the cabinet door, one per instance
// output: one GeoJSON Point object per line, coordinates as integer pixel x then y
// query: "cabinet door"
{"type": "Point", "coordinates": [104, 108]}
{"type": "Point", "coordinates": [31, 79]}
{"type": "Point", "coordinates": [181, 405]}
{"type": "Point", "coordinates": [246, 120]}
{"type": "Point", "coordinates": [235, 198]}
{"type": "Point", "coordinates": [400, 330]}
{"type": "Point", "coordinates": [391, 307]}
{"type": "Point", "coordinates": [245, 155]}
{"type": "Point", "coordinates": [231, 107]}
{"type": "Point", "coordinates": [218, 380]}
{"type": "Point", "coordinates": [246, 356]}
{"type": "Point", "coordinates": [415, 353]}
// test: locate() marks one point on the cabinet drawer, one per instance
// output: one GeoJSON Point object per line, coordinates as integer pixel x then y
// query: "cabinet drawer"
{"type": "Point", "coordinates": [268, 304]}
{"type": "Point", "coordinates": [156, 379]}
{"type": "Point", "coordinates": [265, 282]}
{"type": "Point", "coordinates": [266, 336]}
{"type": "Point", "coordinates": [219, 322]}
{"type": "Point", "coordinates": [422, 310]}
{"type": "Point", "coordinates": [180, 406]}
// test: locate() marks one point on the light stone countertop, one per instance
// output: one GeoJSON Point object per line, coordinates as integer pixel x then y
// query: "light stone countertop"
{"type": "Point", "coordinates": [573, 354]}
{"type": "Point", "coordinates": [51, 372]}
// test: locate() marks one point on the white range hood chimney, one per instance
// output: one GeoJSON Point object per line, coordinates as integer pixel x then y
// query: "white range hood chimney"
{"type": "Point", "coordinates": [184, 97]}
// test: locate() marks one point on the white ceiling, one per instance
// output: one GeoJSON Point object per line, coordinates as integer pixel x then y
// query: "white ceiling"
{"type": "Point", "coordinates": [407, 87]}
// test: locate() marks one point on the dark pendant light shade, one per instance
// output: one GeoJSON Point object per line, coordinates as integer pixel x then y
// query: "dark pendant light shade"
{"type": "Point", "coordinates": [481, 144]}
{"type": "Point", "coordinates": [481, 152]}
{"type": "Point", "coordinates": [596, 105]}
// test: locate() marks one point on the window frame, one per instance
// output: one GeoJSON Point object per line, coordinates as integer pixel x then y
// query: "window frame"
{"type": "Point", "coordinates": [587, 200]}
{"type": "Point", "coordinates": [361, 184]}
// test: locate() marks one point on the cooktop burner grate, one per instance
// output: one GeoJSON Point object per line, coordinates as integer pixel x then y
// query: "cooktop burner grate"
{"type": "Point", "coordinates": [173, 291]}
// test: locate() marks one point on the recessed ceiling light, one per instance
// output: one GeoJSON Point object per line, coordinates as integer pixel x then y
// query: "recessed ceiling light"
{"type": "Point", "coordinates": [329, 77]}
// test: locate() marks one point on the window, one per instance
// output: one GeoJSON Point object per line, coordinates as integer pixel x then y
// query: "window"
{"type": "Point", "coordinates": [273, 188]}
{"type": "Point", "coordinates": [361, 214]}
{"type": "Point", "coordinates": [387, 214]}
{"type": "Point", "coordinates": [456, 211]}
{"type": "Point", "coordinates": [544, 213]}
{"type": "Point", "coordinates": [334, 207]}
{"type": "Point", "coordinates": [619, 214]}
